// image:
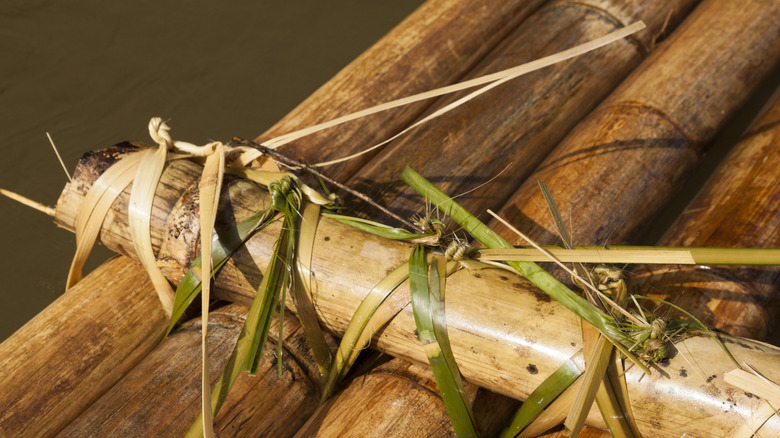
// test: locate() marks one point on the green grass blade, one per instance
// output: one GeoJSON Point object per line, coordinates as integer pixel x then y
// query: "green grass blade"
{"type": "Point", "coordinates": [542, 396]}
{"type": "Point", "coordinates": [376, 228]}
{"type": "Point", "coordinates": [541, 278]}
{"type": "Point", "coordinates": [223, 247]}
{"type": "Point", "coordinates": [356, 336]}
{"type": "Point", "coordinates": [439, 350]}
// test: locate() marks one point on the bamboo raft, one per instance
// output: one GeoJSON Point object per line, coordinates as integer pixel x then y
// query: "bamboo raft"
{"type": "Point", "coordinates": [613, 133]}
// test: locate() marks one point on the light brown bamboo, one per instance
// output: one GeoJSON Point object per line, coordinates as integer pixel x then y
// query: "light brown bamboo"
{"type": "Point", "coordinates": [433, 47]}
{"type": "Point", "coordinates": [506, 335]}
{"type": "Point", "coordinates": [632, 152]}
{"type": "Point", "coordinates": [736, 208]}
{"type": "Point", "coordinates": [74, 350]}
{"type": "Point", "coordinates": [161, 395]}
{"type": "Point", "coordinates": [361, 409]}
{"type": "Point", "coordinates": [505, 133]}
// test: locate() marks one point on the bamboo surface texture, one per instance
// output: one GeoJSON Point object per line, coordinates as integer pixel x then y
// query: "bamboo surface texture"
{"type": "Point", "coordinates": [61, 361]}
{"type": "Point", "coordinates": [737, 208]}
{"type": "Point", "coordinates": [505, 133]}
{"type": "Point", "coordinates": [506, 335]}
{"type": "Point", "coordinates": [633, 151]}
{"type": "Point", "coordinates": [161, 396]}
{"type": "Point", "coordinates": [433, 47]}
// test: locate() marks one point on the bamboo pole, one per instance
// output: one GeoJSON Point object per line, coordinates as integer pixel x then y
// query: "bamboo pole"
{"type": "Point", "coordinates": [69, 354]}
{"type": "Point", "coordinates": [433, 47]}
{"type": "Point", "coordinates": [160, 396]}
{"type": "Point", "coordinates": [628, 157]}
{"type": "Point", "coordinates": [506, 335]}
{"type": "Point", "coordinates": [736, 208]}
{"type": "Point", "coordinates": [505, 133]}
{"type": "Point", "coordinates": [362, 408]}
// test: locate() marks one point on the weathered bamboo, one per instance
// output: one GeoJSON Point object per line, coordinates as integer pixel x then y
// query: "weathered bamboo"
{"type": "Point", "coordinates": [736, 208]}
{"type": "Point", "coordinates": [506, 335]}
{"type": "Point", "coordinates": [433, 47]}
{"type": "Point", "coordinates": [161, 396]}
{"type": "Point", "coordinates": [505, 133]}
{"type": "Point", "coordinates": [629, 155]}
{"type": "Point", "coordinates": [74, 350]}
{"type": "Point", "coordinates": [361, 409]}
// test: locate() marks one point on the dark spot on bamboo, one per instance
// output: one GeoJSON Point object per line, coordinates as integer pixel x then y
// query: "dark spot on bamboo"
{"type": "Point", "coordinates": [683, 372]}
{"type": "Point", "coordinates": [503, 277]}
{"type": "Point", "coordinates": [327, 238]}
{"type": "Point", "coordinates": [664, 363]}
{"type": "Point", "coordinates": [711, 378]}
{"type": "Point", "coordinates": [751, 395]}
{"type": "Point", "coordinates": [416, 333]}
{"type": "Point", "coordinates": [477, 275]}
{"type": "Point", "coordinates": [573, 344]}
{"type": "Point", "coordinates": [540, 296]}
{"type": "Point", "coordinates": [532, 369]}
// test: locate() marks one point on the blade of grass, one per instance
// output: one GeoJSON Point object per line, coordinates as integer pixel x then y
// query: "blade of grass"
{"type": "Point", "coordinates": [376, 228]}
{"type": "Point", "coordinates": [542, 279]}
{"type": "Point", "coordinates": [302, 290]}
{"type": "Point", "coordinates": [90, 217]}
{"type": "Point", "coordinates": [663, 255]}
{"type": "Point", "coordinates": [542, 396]}
{"type": "Point", "coordinates": [138, 216]}
{"type": "Point", "coordinates": [356, 336]}
{"type": "Point", "coordinates": [427, 295]}
{"type": "Point", "coordinates": [209, 190]}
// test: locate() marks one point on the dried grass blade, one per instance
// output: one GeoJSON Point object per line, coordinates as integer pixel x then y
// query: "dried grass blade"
{"type": "Point", "coordinates": [594, 374]}
{"type": "Point", "coordinates": [356, 337]}
{"type": "Point", "coordinates": [302, 290]}
{"type": "Point", "coordinates": [492, 79]}
{"type": "Point", "coordinates": [542, 396]}
{"type": "Point", "coordinates": [662, 255]}
{"type": "Point", "coordinates": [138, 215]}
{"type": "Point", "coordinates": [428, 305]}
{"type": "Point", "coordinates": [95, 206]}
{"type": "Point", "coordinates": [210, 187]}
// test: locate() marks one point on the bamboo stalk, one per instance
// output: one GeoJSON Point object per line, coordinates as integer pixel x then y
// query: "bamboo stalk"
{"type": "Point", "coordinates": [632, 152]}
{"type": "Point", "coordinates": [160, 396]}
{"type": "Point", "coordinates": [433, 47]}
{"type": "Point", "coordinates": [501, 136]}
{"type": "Point", "coordinates": [493, 318]}
{"type": "Point", "coordinates": [61, 361]}
{"type": "Point", "coordinates": [361, 409]}
{"type": "Point", "coordinates": [736, 208]}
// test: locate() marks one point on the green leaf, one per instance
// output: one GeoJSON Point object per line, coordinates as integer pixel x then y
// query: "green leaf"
{"type": "Point", "coordinates": [428, 306]}
{"type": "Point", "coordinates": [542, 396]}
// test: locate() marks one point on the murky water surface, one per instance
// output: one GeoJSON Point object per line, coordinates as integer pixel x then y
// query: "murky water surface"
{"type": "Point", "coordinates": [93, 73]}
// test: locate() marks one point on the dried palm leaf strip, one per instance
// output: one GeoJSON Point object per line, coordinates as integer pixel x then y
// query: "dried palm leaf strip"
{"type": "Point", "coordinates": [502, 136]}
{"type": "Point", "coordinates": [736, 208]}
{"type": "Point", "coordinates": [505, 334]}
{"type": "Point", "coordinates": [62, 360]}
{"type": "Point", "coordinates": [433, 47]}
{"type": "Point", "coordinates": [132, 408]}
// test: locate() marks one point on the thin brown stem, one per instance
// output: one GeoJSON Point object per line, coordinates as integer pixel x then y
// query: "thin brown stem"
{"type": "Point", "coordinates": [292, 162]}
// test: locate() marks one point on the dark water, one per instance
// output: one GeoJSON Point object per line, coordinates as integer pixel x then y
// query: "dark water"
{"type": "Point", "coordinates": [93, 73]}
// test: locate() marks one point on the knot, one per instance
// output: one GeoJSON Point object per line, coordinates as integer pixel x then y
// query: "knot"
{"type": "Point", "coordinates": [158, 130]}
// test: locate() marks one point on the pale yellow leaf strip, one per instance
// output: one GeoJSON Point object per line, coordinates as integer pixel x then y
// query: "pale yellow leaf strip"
{"type": "Point", "coordinates": [92, 212]}
{"type": "Point", "coordinates": [209, 189]}
{"type": "Point", "coordinates": [499, 77]}
{"type": "Point", "coordinates": [139, 212]}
